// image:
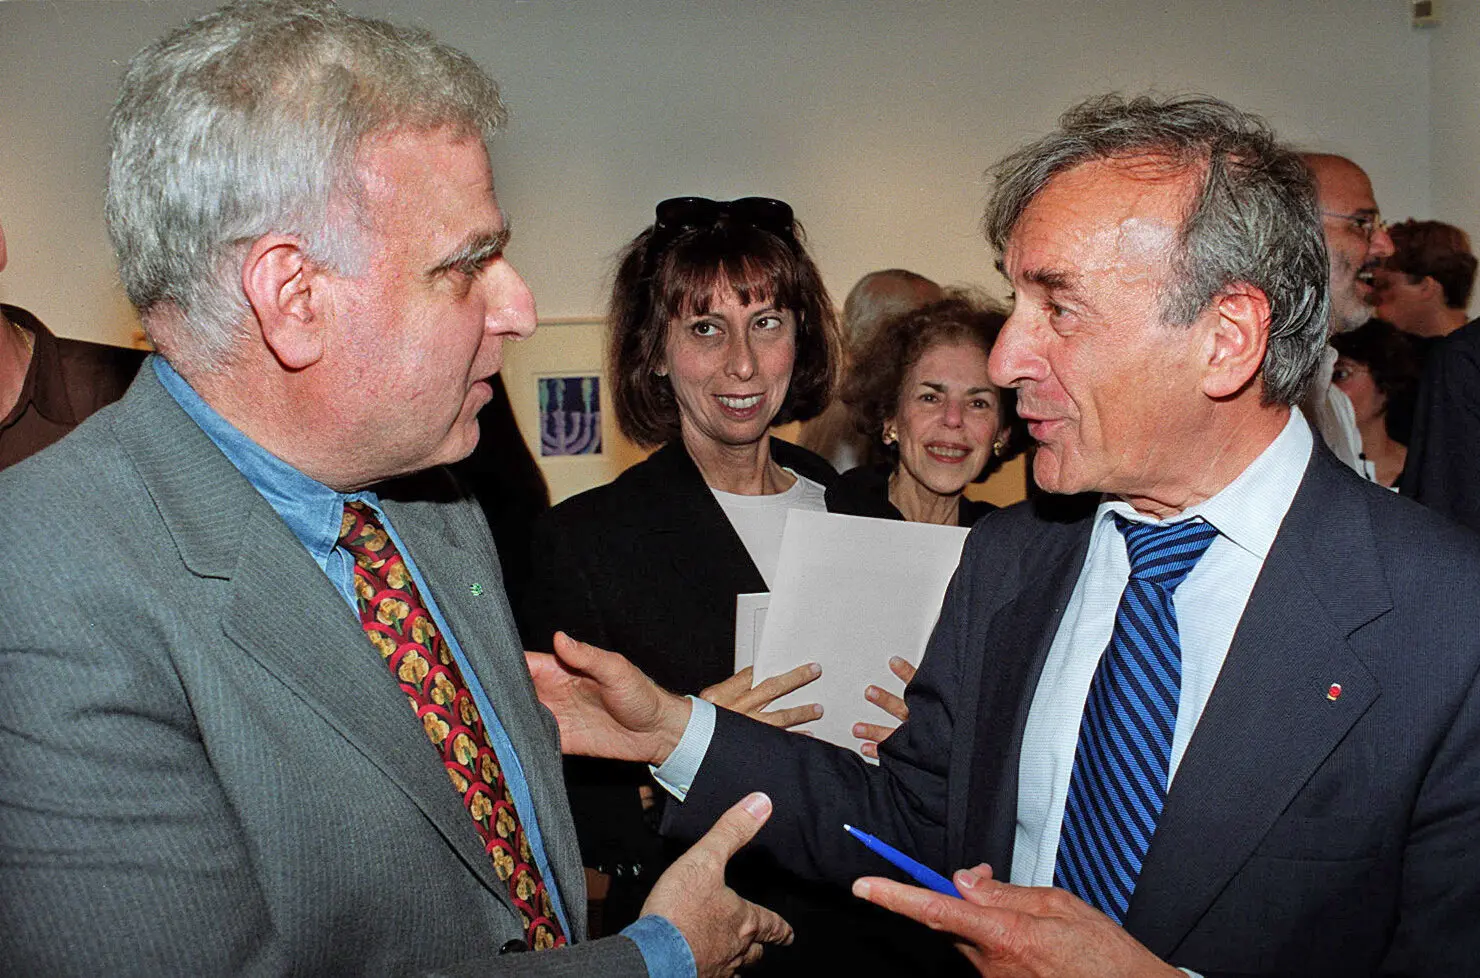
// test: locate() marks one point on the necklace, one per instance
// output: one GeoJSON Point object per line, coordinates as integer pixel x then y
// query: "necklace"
{"type": "Point", "coordinates": [25, 336]}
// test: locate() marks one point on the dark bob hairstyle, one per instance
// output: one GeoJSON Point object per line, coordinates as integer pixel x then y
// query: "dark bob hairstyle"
{"type": "Point", "coordinates": [872, 389]}
{"type": "Point", "coordinates": [1392, 357]}
{"type": "Point", "coordinates": [683, 278]}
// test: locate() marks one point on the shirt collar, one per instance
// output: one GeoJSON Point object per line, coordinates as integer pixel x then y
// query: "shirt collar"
{"type": "Point", "coordinates": [44, 388]}
{"type": "Point", "coordinates": [1249, 510]}
{"type": "Point", "coordinates": [311, 509]}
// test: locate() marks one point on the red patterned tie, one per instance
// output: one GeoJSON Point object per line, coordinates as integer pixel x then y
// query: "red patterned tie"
{"type": "Point", "coordinates": [401, 629]}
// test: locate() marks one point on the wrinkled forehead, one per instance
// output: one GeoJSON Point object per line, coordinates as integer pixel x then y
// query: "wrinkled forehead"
{"type": "Point", "coordinates": [1099, 214]}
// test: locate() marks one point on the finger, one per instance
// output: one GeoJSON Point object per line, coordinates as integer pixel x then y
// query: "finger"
{"type": "Point", "coordinates": [902, 669]}
{"type": "Point", "coordinates": [891, 704]}
{"type": "Point", "coordinates": [774, 686]}
{"type": "Point", "coordinates": [727, 690]}
{"type": "Point", "coordinates": [542, 664]}
{"type": "Point", "coordinates": [981, 925]}
{"type": "Point", "coordinates": [771, 927]}
{"type": "Point", "coordinates": [872, 731]}
{"type": "Point", "coordinates": [573, 654]}
{"type": "Point", "coordinates": [975, 884]}
{"type": "Point", "coordinates": [791, 716]}
{"type": "Point", "coordinates": [868, 749]}
{"type": "Point", "coordinates": [736, 826]}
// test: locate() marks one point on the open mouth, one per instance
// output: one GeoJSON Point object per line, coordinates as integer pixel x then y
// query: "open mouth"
{"type": "Point", "coordinates": [947, 453]}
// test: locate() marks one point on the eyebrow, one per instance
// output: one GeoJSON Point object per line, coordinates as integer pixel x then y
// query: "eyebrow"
{"type": "Point", "coordinates": [1053, 279]}
{"type": "Point", "coordinates": [940, 388]}
{"type": "Point", "coordinates": [474, 253]}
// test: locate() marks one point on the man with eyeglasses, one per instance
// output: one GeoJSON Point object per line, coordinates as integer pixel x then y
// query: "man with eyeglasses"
{"type": "Point", "coordinates": [1357, 243]}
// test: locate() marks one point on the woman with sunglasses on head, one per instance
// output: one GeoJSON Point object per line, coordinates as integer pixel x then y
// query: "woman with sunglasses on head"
{"type": "Point", "coordinates": [720, 329]}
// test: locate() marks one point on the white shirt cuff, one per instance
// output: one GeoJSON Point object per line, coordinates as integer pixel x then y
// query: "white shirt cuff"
{"type": "Point", "coordinates": [677, 773]}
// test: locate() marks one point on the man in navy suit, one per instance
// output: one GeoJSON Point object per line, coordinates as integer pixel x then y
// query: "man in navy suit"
{"type": "Point", "coordinates": [1319, 776]}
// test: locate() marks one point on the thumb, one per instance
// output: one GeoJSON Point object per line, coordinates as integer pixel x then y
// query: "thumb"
{"type": "Point", "coordinates": [576, 655]}
{"type": "Point", "coordinates": [737, 826]}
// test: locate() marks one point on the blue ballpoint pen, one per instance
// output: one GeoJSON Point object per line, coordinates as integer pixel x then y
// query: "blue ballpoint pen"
{"type": "Point", "coordinates": [921, 873]}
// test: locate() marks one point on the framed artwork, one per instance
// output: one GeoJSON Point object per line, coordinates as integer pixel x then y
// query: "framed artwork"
{"type": "Point", "coordinates": [562, 400]}
{"type": "Point", "coordinates": [570, 414]}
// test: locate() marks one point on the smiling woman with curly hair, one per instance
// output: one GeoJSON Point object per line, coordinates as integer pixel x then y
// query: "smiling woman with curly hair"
{"type": "Point", "coordinates": [920, 385]}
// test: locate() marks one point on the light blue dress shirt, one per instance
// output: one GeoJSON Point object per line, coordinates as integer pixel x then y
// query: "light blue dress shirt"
{"type": "Point", "coordinates": [313, 511]}
{"type": "Point", "coordinates": [1247, 514]}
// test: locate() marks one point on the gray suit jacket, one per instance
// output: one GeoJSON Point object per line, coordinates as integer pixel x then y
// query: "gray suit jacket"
{"type": "Point", "coordinates": [206, 768]}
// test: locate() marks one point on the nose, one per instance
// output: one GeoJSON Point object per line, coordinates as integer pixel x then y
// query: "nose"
{"type": "Point", "coordinates": [1013, 361]}
{"type": "Point", "coordinates": [1381, 245]}
{"type": "Point", "coordinates": [739, 355]}
{"type": "Point", "coordinates": [954, 414]}
{"type": "Point", "coordinates": [511, 310]}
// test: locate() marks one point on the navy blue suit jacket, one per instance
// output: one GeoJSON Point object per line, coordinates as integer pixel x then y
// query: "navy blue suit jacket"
{"type": "Point", "coordinates": [1302, 835]}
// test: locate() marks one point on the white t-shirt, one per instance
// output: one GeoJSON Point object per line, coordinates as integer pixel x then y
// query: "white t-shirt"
{"type": "Point", "coordinates": [760, 520]}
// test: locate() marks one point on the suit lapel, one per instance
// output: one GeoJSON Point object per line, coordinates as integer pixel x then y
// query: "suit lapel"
{"type": "Point", "coordinates": [694, 530]}
{"type": "Point", "coordinates": [1269, 722]}
{"type": "Point", "coordinates": [282, 609]}
{"type": "Point", "coordinates": [1017, 642]}
{"type": "Point", "coordinates": [317, 648]}
{"type": "Point", "coordinates": [481, 620]}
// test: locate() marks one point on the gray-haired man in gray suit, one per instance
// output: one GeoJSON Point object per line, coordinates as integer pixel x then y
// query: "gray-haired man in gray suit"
{"type": "Point", "coordinates": [207, 767]}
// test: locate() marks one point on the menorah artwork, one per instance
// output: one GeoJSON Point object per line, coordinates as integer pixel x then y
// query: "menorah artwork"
{"type": "Point", "coordinates": [570, 415]}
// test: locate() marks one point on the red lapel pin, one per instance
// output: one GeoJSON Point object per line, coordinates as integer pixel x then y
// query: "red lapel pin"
{"type": "Point", "coordinates": [1333, 692]}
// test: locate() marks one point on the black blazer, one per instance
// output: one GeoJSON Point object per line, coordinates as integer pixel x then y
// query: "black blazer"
{"type": "Point", "coordinates": [649, 565]}
{"type": "Point", "coordinates": [864, 491]}
{"type": "Point", "coordinates": [1443, 466]}
{"type": "Point", "coordinates": [1302, 834]}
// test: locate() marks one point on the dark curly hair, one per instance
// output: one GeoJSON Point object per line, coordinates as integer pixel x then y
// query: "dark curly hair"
{"type": "Point", "coordinates": [650, 291]}
{"type": "Point", "coordinates": [1392, 357]}
{"type": "Point", "coordinates": [873, 385]}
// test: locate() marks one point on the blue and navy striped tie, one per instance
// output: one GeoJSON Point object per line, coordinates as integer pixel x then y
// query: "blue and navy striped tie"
{"type": "Point", "coordinates": [1119, 781]}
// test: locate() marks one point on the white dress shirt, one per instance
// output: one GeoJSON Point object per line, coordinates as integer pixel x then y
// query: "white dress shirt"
{"type": "Point", "coordinates": [1209, 603]}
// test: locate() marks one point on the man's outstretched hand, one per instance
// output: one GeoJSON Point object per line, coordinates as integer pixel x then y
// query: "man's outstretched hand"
{"type": "Point", "coordinates": [1011, 931]}
{"type": "Point", "coordinates": [724, 932]}
{"type": "Point", "coordinates": [606, 706]}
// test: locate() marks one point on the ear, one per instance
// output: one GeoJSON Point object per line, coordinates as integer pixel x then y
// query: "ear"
{"type": "Point", "coordinates": [1432, 290]}
{"type": "Point", "coordinates": [280, 282]}
{"type": "Point", "coordinates": [1237, 338]}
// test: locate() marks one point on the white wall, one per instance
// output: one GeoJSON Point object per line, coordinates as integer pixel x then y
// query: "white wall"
{"type": "Point", "coordinates": [1455, 108]}
{"type": "Point", "coordinates": [875, 119]}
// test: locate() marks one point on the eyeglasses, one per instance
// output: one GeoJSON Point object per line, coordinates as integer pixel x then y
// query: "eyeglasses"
{"type": "Point", "coordinates": [677, 215]}
{"type": "Point", "coordinates": [1367, 225]}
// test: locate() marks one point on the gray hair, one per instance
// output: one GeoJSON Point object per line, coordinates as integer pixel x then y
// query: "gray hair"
{"type": "Point", "coordinates": [248, 121]}
{"type": "Point", "coordinates": [1254, 220]}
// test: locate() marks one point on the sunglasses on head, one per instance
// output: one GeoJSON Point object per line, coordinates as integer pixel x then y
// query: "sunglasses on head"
{"type": "Point", "coordinates": [677, 215]}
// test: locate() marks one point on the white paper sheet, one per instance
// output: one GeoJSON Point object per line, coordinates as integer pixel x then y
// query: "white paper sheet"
{"type": "Point", "coordinates": [750, 621]}
{"type": "Point", "coordinates": [850, 592]}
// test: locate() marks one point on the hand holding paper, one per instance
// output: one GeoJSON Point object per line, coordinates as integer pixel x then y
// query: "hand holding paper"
{"type": "Point", "coordinates": [737, 693]}
{"type": "Point", "coordinates": [852, 592]}
{"type": "Point", "coordinates": [874, 734]}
